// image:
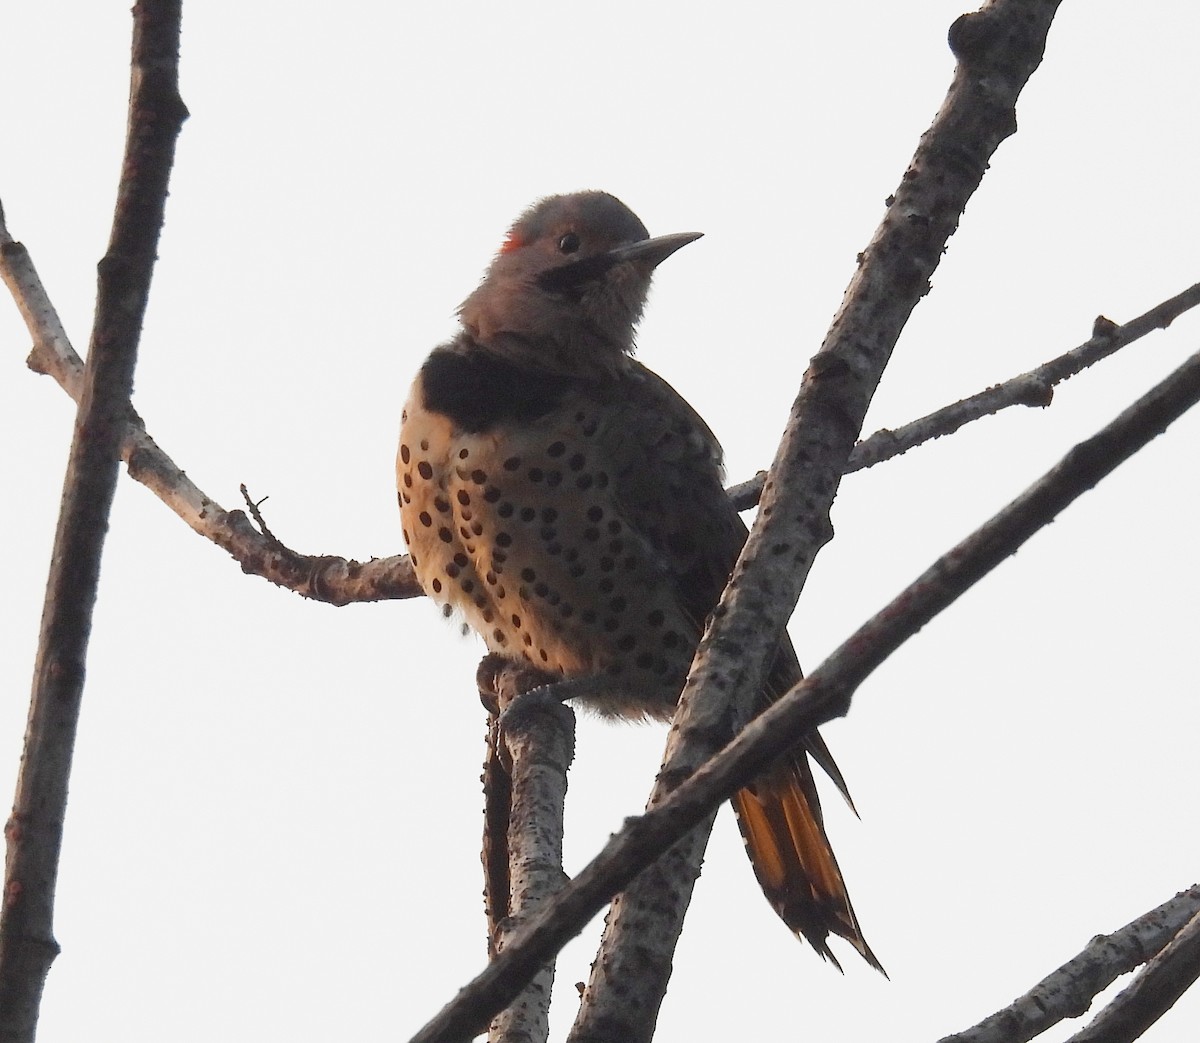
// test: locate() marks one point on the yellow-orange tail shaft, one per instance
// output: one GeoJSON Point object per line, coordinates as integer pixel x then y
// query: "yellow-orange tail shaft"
{"type": "Point", "coordinates": [780, 819]}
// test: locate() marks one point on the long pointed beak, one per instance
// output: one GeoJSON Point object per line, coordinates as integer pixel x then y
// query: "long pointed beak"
{"type": "Point", "coordinates": [654, 251]}
{"type": "Point", "coordinates": [646, 252]}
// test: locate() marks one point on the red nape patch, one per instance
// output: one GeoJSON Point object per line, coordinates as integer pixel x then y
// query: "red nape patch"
{"type": "Point", "coordinates": [512, 242]}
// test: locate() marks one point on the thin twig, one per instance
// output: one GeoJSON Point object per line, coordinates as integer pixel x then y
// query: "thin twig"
{"type": "Point", "coordinates": [1069, 991]}
{"type": "Point", "coordinates": [825, 694]}
{"type": "Point", "coordinates": [253, 506]}
{"type": "Point", "coordinates": [34, 832]}
{"type": "Point", "coordinates": [1035, 388]}
{"type": "Point", "coordinates": [997, 50]}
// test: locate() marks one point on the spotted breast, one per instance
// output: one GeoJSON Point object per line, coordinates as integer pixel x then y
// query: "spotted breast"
{"type": "Point", "coordinates": [571, 522]}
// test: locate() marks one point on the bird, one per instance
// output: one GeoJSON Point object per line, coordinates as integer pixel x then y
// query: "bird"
{"type": "Point", "coordinates": [569, 505]}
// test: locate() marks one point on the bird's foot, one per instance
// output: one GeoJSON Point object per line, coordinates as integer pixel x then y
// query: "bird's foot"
{"type": "Point", "coordinates": [547, 696]}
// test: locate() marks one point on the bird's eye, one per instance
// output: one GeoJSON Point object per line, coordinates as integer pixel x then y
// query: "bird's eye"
{"type": "Point", "coordinates": [569, 243]}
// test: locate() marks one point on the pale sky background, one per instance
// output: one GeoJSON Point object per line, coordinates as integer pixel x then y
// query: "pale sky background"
{"type": "Point", "coordinates": [275, 811]}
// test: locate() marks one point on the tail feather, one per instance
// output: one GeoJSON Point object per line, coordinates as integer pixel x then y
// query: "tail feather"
{"type": "Point", "coordinates": [780, 819]}
{"type": "Point", "coordinates": [819, 752]}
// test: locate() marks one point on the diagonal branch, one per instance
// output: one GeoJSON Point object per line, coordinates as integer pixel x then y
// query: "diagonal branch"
{"type": "Point", "coordinates": [1070, 990]}
{"type": "Point", "coordinates": [997, 50]}
{"type": "Point", "coordinates": [321, 577]}
{"type": "Point", "coordinates": [1152, 993]}
{"type": "Point", "coordinates": [34, 832]}
{"type": "Point", "coordinates": [825, 694]}
{"type": "Point", "coordinates": [1035, 388]}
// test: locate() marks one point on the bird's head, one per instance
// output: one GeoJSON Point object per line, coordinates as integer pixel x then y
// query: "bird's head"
{"type": "Point", "coordinates": [568, 285]}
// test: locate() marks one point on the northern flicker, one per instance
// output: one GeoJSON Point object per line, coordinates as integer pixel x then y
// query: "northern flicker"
{"type": "Point", "coordinates": [569, 504]}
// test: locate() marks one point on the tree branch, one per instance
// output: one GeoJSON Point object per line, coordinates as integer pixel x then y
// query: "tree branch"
{"type": "Point", "coordinates": [825, 694]}
{"type": "Point", "coordinates": [1152, 993]}
{"type": "Point", "coordinates": [321, 577]}
{"type": "Point", "coordinates": [1035, 388]}
{"type": "Point", "coordinates": [534, 749]}
{"type": "Point", "coordinates": [1069, 991]}
{"type": "Point", "coordinates": [997, 50]}
{"type": "Point", "coordinates": [34, 832]}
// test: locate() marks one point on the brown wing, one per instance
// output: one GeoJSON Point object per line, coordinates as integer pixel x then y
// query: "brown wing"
{"type": "Point", "coordinates": [669, 485]}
